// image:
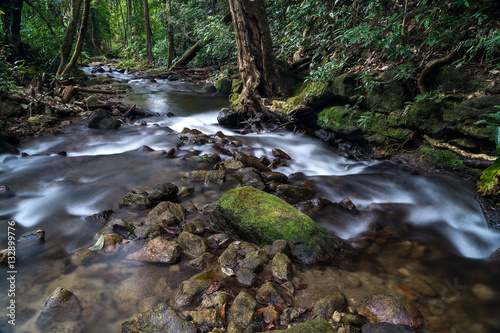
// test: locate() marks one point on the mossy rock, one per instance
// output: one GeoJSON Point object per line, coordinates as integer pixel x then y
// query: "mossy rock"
{"type": "Point", "coordinates": [488, 183]}
{"type": "Point", "coordinates": [386, 94]}
{"type": "Point", "coordinates": [257, 216]}
{"type": "Point", "coordinates": [223, 86]}
{"type": "Point", "coordinates": [318, 325]}
{"type": "Point", "coordinates": [448, 160]}
{"type": "Point", "coordinates": [335, 117]}
{"type": "Point", "coordinates": [426, 115]}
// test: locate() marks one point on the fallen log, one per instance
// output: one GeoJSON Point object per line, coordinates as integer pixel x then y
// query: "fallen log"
{"type": "Point", "coordinates": [459, 151]}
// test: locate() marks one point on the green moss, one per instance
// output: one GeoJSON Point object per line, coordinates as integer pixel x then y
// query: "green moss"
{"type": "Point", "coordinates": [448, 160]}
{"type": "Point", "coordinates": [223, 86]}
{"type": "Point", "coordinates": [233, 98]}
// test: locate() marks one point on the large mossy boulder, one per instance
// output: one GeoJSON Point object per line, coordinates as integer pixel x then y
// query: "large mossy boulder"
{"type": "Point", "coordinates": [258, 217]}
{"type": "Point", "coordinates": [162, 318]}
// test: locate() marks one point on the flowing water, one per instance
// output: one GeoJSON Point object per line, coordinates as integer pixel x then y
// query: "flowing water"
{"type": "Point", "coordinates": [445, 247]}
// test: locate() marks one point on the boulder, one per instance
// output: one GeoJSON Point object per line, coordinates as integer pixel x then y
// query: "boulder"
{"type": "Point", "coordinates": [103, 120]}
{"type": "Point", "coordinates": [228, 118]}
{"type": "Point", "coordinates": [257, 216]}
{"type": "Point", "coordinates": [223, 86]}
{"type": "Point", "coordinates": [392, 309]}
{"type": "Point", "coordinates": [209, 88]}
{"type": "Point", "coordinates": [161, 318]}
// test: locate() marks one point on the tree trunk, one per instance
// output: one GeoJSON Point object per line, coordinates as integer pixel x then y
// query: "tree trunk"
{"type": "Point", "coordinates": [257, 64]}
{"type": "Point", "coordinates": [149, 46]}
{"type": "Point", "coordinates": [81, 39]}
{"type": "Point", "coordinates": [170, 37]}
{"type": "Point", "coordinates": [13, 10]}
{"type": "Point", "coordinates": [69, 34]}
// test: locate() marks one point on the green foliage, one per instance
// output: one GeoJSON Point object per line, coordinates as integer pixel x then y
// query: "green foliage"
{"type": "Point", "coordinates": [488, 182]}
{"type": "Point", "coordinates": [493, 123]}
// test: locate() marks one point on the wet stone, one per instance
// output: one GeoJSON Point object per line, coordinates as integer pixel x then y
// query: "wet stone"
{"type": "Point", "coordinates": [245, 276]}
{"type": "Point", "coordinates": [232, 164]}
{"type": "Point", "coordinates": [396, 310]}
{"type": "Point", "coordinates": [280, 154]}
{"type": "Point", "coordinates": [32, 238]}
{"type": "Point", "coordinates": [198, 175]}
{"type": "Point", "coordinates": [195, 226]}
{"type": "Point", "coordinates": [243, 311]}
{"type": "Point", "coordinates": [62, 305]}
{"type": "Point", "coordinates": [148, 231]}
{"type": "Point", "coordinates": [192, 245]}
{"type": "Point", "coordinates": [217, 240]}
{"type": "Point", "coordinates": [349, 205]}
{"type": "Point", "coordinates": [189, 290]}
{"type": "Point", "coordinates": [205, 318]}
{"type": "Point", "coordinates": [255, 260]}
{"type": "Point", "coordinates": [184, 191]}
{"type": "Point", "coordinates": [159, 249]}
{"type": "Point", "coordinates": [162, 192]}
{"type": "Point", "coordinates": [273, 176]}
{"type": "Point", "coordinates": [166, 214]}
{"type": "Point", "coordinates": [281, 267]}
{"type": "Point", "coordinates": [289, 315]}
{"type": "Point", "coordinates": [100, 218]}
{"type": "Point", "coordinates": [267, 294]}
{"type": "Point", "coordinates": [250, 161]}
{"type": "Point", "coordinates": [206, 260]}
{"type": "Point", "coordinates": [215, 177]}
{"type": "Point", "coordinates": [135, 200]}
{"type": "Point", "coordinates": [270, 314]}
{"type": "Point", "coordinates": [112, 226]}
{"type": "Point", "coordinates": [326, 306]}
{"type": "Point", "coordinates": [295, 192]}
{"type": "Point", "coordinates": [161, 318]}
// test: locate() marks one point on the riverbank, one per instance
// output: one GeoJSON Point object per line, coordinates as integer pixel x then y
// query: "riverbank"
{"type": "Point", "coordinates": [120, 281]}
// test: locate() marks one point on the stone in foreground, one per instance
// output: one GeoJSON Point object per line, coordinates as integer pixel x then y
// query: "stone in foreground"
{"type": "Point", "coordinates": [161, 318]}
{"type": "Point", "coordinates": [258, 217]}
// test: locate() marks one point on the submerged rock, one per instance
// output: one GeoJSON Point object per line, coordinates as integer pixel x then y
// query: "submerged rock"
{"type": "Point", "coordinates": [61, 306]}
{"type": "Point", "coordinates": [161, 318]}
{"type": "Point", "coordinates": [257, 216]}
{"type": "Point", "coordinates": [159, 249]}
{"type": "Point", "coordinates": [391, 309]}
{"type": "Point", "coordinates": [326, 306]}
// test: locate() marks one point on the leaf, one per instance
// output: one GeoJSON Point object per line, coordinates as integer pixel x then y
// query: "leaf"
{"type": "Point", "coordinates": [98, 245]}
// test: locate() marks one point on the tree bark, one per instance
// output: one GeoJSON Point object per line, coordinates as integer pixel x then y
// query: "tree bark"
{"type": "Point", "coordinates": [13, 10]}
{"type": "Point", "coordinates": [170, 37]}
{"type": "Point", "coordinates": [81, 39]}
{"type": "Point", "coordinates": [257, 64]}
{"type": "Point", "coordinates": [149, 34]}
{"type": "Point", "coordinates": [69, 34]}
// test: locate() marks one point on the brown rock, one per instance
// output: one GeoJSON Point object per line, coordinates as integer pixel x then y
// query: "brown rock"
{"type": "Point", "coordinates": [391, 309]}
{"type": "Point", "coordinates": [159, 249]}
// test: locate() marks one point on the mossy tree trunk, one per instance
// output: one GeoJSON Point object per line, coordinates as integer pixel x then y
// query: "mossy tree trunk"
{"type": "Point", "coordinates": [149, 34]}
{"type": "Point", "coordinates": [256, 61]}
{"type": "Point", "coordinates": [69, 34]}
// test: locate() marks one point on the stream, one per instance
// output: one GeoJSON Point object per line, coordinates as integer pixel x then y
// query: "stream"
{"type": "Point", "coordinates": [445, 243]}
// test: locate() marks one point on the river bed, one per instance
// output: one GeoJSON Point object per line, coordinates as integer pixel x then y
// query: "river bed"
{"type": "Point", "coordinates": [437, 257]}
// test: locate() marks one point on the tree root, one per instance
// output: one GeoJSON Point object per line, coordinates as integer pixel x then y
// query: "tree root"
{"type": "Point", "coordinates": [459, 151]}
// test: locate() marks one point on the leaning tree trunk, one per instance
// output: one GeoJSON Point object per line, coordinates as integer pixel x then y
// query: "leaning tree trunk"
{"type": "Point", "coordinates": [257, 64]}
{"type": "Point", "coordinates": [69, 34]}
{"type": "Point", "coordinates": [81, 39]}
{"type": "Point", "coordinates": [149, 46]}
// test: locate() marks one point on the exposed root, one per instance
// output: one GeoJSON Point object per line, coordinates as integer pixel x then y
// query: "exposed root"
{"type": "Point", "coordinates": [459, 151]}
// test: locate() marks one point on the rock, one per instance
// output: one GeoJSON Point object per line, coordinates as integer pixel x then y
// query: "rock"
{"type": "Point", "coordinates": [223, 86]}
{"type": "Point", "coordinates": [281, 268]}
{"type": "Point", "coordinates": [392, 309]}
{"type": "Point", "coordinates": [227, 118]}
{"type": "Point", "coordinates": [205, 318]}
{"type": "Point", "coordinates": [205, 261]}
{"type": "Point", "coordinates": [217, 240]}
{"type": "Point", "coordinates": [184, 191]}
{"type": "Point", "coordinates": [197, 175]}
{"type": "Point", "coordinates": [232, 164]}
{"type": "Point", "coordinates": [210, 158]}
{"type": "Point", "coordinates": [32, 238]}
{"type": "Point", "coordinates": [250, 161]}
{"type": "Point", "coordinates": [92, 100]}
{"type": "Point", "coordinates": [270, 314]}
{"type": "Point", "coordinates": [195, 226]}
{"type": "Point", "coordinates": [257, 216]}
{"type": "Point", "coordinates": [289, 315]}
{"type": "Point", "coordinates": [245, 276]}
{"type": "Point", "coordinates": [7, 148]}
{"type": "Point", "coordinates": [192, 245]}
{"type": "Point", "coordinates": [162, 192]}
{"type": "Point", "coordinates": [318, 325]}
{"type": "Point", "coordinates": [148, 231]}
{"type": "Point", "coordinates": [215, 177]}
{"type": "Point", "coordinates": [484, 293]}
{"type": "Point", "coordinates": [103, 120]}
{"type": "Point", "coordinates": [112, 226]}
{"type": "Point", "coordinates": [62, 305]}
{"type": "Point", "coordinates": [235, 251]}
{"type": "Point", "coordinates": [208, 88]}
{"type": "Point", "coordinates": [267, 294]}
{"type": "Point", "coordinates": [279, 246]}
{"type": "Point", "coordinates": [385, 328]}
{"type": "Point", "coordinates": [111, 241]}
{"type": "Point", "coordinates": [274, 176]}
{"type": "Point", "coordinates": [295, 192]}
{"type": "Point", "coordinates": [100, 218]}
{"type": "Point", "coordinates": [255, 260]}
{"type": "Point", "coordinates": [352, 319]}
{"type": "Point", "coordinates": [166, 214]}
{"type": "Point", "coordinates": [326, 306]}
{"type": "Point", "coordinates": [280, 154]}
{"type": "Point", "coordinates": [161, 318]}
{"type": "Point", "coordinates": [250, 177]}
{"type": "Point", "coordinates": [135, 200]}
{"type": "Point", "coordinates": [243, 311]}
{"type": "Point", "coordinates": [159, 249]}
{"type": "Point", "coordinates": [349, 205]}
{"type": "Point", "coordinates": [189, 290]}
